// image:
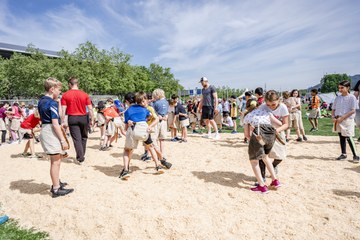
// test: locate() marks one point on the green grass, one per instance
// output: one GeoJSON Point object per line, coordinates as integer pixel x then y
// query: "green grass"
{"type": "Point", "coordinates": [325, 127]}
{"type": "Point", "coordinates": [12, 231]}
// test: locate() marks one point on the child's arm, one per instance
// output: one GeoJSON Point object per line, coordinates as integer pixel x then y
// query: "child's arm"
{"type": "Point", "coordinates": [56, 127]}
{"type": "Point", "coordinates": [247, 131]}
{"type": "Point", "coordinates": [276, 122]}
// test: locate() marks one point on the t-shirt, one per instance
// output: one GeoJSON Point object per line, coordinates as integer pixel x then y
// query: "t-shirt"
{"type": "Point", "coordinates": [17, 111]}
{"type": "Point", "coordinates": [280, 112]}
{"type": "Point", "coordinates": [180, 109]}
{"type": "Point", "coordinates": [136, 113]}
{"type": "Point", "coordinates": [226, 106]}
{"type": "Point", "coordinates": [2, 113]}
{"type": "Point", "coordinates": [48, 109]}
{"type": "Point", "coordinates": [315, 102]}
{"type": "Point", "coordinates": [153, 116]}
{"type": "Point", "coordinates": [30, 122]}
{"type": "Point", "coordinates": [110, 112]}
{"type": "Point", "coordinates": [233, 110]}
{"type": "Point", "coordinates": [161, 107]}
{"type": "Point", "coordinates": [75, 101]}
{"type": "Point", "coordinates": [357, 89]}
{"type": "Point", "coordinates": [208, 98]}
{"type": "Point", "coordinates": [260, 101]}
{"type": "Point", "coordinates": [344, 104]}
{"type": "Point", "coordinates": [258, 116]}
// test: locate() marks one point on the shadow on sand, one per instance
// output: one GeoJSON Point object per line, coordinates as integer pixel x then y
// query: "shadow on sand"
{"type": "Point", "coordinates": [228, 179]}
{"type": "Point", "coordinates": [347, 194]}
{"type": "Point", "coordinates": [29, 187]}
{"type": "Point", "coordinates": [114, 171]}
{"type": "Point", "coordinates": [305, 157]}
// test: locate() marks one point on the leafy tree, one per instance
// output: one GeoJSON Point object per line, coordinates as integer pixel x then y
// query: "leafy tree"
{"type": "Point", "coordinates": [330, 82]}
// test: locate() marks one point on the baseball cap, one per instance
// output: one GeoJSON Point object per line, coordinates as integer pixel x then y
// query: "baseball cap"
{"type": "Point", "coordinates": [203, 79]}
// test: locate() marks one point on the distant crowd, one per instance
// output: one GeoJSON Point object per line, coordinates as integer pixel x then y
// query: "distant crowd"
{"type": "Point", "coordinates": [266, 118]}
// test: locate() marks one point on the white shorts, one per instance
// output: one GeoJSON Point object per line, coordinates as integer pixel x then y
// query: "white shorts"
{"type": "Point", "coordinates": [49, 140]}
{"type": "Point", "coordinates": [346, 128]}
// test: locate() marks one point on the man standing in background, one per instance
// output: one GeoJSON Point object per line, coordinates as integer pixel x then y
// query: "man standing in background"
{"type": "Point", "coordinates": [208, 106]}
{"type": "Point", "coordinates": [75, 103]}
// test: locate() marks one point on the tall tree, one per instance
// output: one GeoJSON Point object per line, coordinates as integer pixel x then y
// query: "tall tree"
{"type": "Point", "coordinates": [330, 82]}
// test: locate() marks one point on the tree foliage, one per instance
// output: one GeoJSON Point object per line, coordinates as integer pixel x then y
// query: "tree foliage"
{"type": "Point", "coordinates": [330, 82]}
{"type": "Point", "coordinates": [226, 92]}
{"type": "Point", "coordinates": [99, 72]}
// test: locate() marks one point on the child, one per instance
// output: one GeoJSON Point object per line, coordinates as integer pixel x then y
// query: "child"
{"type": "Point", "coordinates": [292, 106]}
{"type": "Point", "coordinates": [161, 107]}
{"type": "Point", "coordinates": [233, 112]}
{"type": "Point", "coordinates": [27, 131]}
{"type": "Point", "coordinates": [296, 111]}
{"type": "Point", "coordinates": [180, 113]}
{"type": "Point", "coordinates": [3, 108]}
{"type": "Point", "coordinates": [110, 114]}
{"type": "Point", "coordinates": [259, 96]}
{"type": "Point", "coordinates": [171, 116]}
{"type": "Point", "coordinates": [101, 120]}
{"type": "Point", "coordinates": [343, 115]}
{"type": "Point", "coordinates": [192, 108]}
{"type": "Point", "coordinates": [135, 120]}
{"type": "Point", "coordinates": [280, 111]}
{"type": "Point", "coordinates": [218, 117]}
{"type": "Point", "coordinates": [315, 110]}
{"type": "Point", "coordinates": [52, 138]}
{"type": "Point", "coordinates": [258, 128]}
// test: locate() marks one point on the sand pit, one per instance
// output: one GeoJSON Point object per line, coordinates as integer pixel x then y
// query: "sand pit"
{"type": "Point", "coordinates": [204, 196]}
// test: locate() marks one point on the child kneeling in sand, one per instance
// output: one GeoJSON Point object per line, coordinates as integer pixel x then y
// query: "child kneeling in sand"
{"type": "Point", "coordinates": [262, 135]}
{"type": "Point", "coordinates": [138, 130]}
{"type": "Point", "coordinates": [51, 136]}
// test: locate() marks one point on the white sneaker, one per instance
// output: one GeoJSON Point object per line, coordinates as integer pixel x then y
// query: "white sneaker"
{"type": "Point", "coordinates": [217, 136]}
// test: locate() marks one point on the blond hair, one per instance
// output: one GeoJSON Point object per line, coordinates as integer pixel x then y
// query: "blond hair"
{"type": "Point", "coordinates": [51, 82]}
{"type": "Point", "coordinates": [158, 93]}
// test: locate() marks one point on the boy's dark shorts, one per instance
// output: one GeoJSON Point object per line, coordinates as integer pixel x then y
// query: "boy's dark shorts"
{"type": "Point", "coordinates": [148, 141]}
{"type": "Point", "coordinates": [207, 112]}
{"type": "Point", "coordinates": [256, 150]}
{"type": "Point", "coordinates": [233, 118]}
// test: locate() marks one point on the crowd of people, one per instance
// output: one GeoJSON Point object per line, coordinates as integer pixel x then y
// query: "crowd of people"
{"type": "Point", "coordinates": [266, 118]}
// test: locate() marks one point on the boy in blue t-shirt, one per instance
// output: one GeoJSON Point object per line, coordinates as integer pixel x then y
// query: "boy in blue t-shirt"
{"type": "Point", "coordinates": [137, 114]}
{"type": "Point", "coordinates": [52, 138]}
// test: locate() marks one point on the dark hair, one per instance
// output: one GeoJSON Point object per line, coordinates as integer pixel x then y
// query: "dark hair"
{"type": "Point", "coordinates": [100, 105]}
{"type": "Point", "coordinates": [314, 90]}
{"type": "Point", "coordinates": [345, 83]}
{"type": "Point", "coordinates": [233, 96]}
{"type": "Point", "coordinates": [130, 97]}
{"type": "Point", "coordinates": [294, 90]}
{"type": "Point", "coordinates": [174, 96]}
{"type": "Point", "coordinates": [259, 91]}
{"type": "Point", "coordinates": [31, 106]}
{"type": "Point", "coordinates": [16, 104]}
{"type": "Point", "coordinates": [73, 81]}
{"type": "Point", "coordinates": [248, 93]}
{"type": "Point", "coordinates": [149, 95]}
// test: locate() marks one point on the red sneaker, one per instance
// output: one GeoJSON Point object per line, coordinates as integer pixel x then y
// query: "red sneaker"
{"type": "Point", "coordinates": [261, 189]}
{"type": "Point", "coordinates": [275, 184]}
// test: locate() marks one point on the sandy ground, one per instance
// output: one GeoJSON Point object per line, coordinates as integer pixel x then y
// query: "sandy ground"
{"type": "Point", "coordinates": [206, 195]}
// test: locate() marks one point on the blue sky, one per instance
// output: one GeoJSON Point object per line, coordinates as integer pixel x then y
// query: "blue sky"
{"type": "Point", "coordinates": [242, 44]}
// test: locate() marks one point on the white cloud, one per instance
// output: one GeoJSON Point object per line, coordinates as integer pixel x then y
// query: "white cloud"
{"type": "Point", "coordinates": [55, 29]}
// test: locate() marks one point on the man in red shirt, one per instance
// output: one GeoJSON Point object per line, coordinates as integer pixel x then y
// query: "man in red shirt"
{"type": "Point", "coordinates": [76, 104]}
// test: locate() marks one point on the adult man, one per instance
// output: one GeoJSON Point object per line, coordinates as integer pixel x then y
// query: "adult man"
{"type": "Point", "coordinates": [74, 103]}
{"type": "Point", "coordinates": [208, 106]}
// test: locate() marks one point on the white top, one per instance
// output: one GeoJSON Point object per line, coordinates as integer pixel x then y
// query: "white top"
{"type": "Point", "coordinates": [280, 112]}
{"type": "Point", "coordinates": [258, 116]}
{"type": "Point", "coordinates": [344, 104]}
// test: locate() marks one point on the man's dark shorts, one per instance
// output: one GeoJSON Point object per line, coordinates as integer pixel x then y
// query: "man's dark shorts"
{"type": "Point", "coordinates": [207, 112]}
